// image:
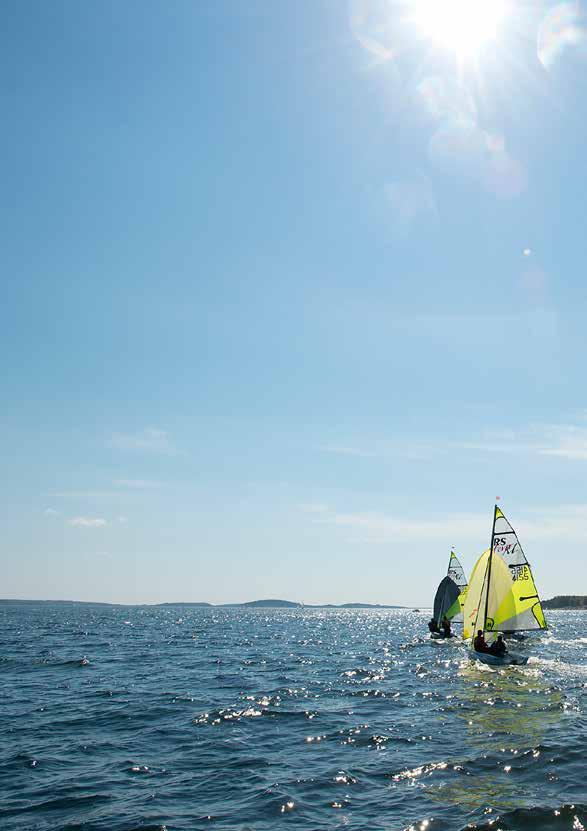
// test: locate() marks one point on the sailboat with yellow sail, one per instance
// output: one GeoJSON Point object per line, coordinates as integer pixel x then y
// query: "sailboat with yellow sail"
{"type": "Point", "coordinates": [502, 595]}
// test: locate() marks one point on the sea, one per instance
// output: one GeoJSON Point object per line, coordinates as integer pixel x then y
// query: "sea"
{"type": "Point", "coordinates": [117, 718]}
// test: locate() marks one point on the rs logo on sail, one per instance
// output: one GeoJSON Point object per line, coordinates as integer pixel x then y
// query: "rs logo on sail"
{"type": "Point", "coordinates": [500, 546]}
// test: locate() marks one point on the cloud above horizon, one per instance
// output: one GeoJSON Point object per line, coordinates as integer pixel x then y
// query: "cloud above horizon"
{"type": "Point", "coordinates": [565, 441]}
{"type": "Point", "coordinates": [564, 523]}
{"type": "Point", "coordinates": [87, 522]}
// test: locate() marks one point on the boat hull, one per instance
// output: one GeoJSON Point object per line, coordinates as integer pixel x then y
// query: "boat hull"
{"type": "Point", "coordinates": [509, 659]}
{"type": "Point", "coordinates": [440, 636]}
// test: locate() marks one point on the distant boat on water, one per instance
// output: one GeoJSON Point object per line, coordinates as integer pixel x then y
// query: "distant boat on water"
{"type": "Point", "coordinates": [450, 596]}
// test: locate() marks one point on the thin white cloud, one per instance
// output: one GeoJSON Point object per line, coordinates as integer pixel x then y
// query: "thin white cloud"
{"type": "Point", "coordinates": [568, 441]}
{"type": "Point", "coordinates": [122, 519]}
{"type": "Point", "coordinates": [150, 440]}
{"type": "Point", "coordinates": [408, 449]}
{"type": "Point", "coordinates": [137, 484]}
{"type": "Point", "coordinates": [564, 441]}
{"type": "Point", "coordinates": [50, 512]}
{"type": "Point", "coordinates": [489, 445]}
{"type": "Point", "coordinates": [376, 527]}
{"type": "Point", "coordinates": [87, 522]}
{"type": "Point", "coordinates": [574, 452]}
{"type": "Point", "coordinates": [563, 524]}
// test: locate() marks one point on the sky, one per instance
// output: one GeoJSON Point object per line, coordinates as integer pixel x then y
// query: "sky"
{"type": "Point", "coordinates": [290, 293]}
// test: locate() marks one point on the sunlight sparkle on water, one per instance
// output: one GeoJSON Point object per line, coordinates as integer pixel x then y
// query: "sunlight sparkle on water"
{"type": "Point", "coordinates": [460, 25]}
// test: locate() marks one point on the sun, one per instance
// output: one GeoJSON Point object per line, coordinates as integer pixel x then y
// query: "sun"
{"type": "Point", "coordinates": [462, 26]}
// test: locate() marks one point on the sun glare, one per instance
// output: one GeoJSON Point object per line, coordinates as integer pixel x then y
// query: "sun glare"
{"type": "Point", "coordinates": [460, 25]}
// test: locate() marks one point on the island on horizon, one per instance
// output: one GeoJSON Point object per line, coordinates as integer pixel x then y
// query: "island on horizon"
{"type": "Point", "coordinates": [566, 601]}
{"type": "Point", "coordinates": [270, 603]}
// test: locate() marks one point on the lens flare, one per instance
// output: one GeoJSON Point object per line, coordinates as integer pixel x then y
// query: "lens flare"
{"type": "Point", "coordinates": [463, 26]}
{"type": "Point", "coordinates": [562, 30]}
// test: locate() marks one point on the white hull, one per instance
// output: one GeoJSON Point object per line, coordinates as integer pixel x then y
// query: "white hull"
{"type": "Point", "coordinates": [439, 636]}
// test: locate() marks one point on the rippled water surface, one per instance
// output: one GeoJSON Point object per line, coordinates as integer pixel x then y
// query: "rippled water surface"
{"type": "Point", "coordinates": [117, 718]}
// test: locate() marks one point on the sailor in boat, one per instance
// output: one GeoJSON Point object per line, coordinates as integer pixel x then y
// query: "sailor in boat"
{"type": "Point", "coordinates": [498, 646]}
{"type": "Point", "coordinates": [433, 626]}
{"type": "Point", "coordinates": [480, 644]}
{"type": "Point", "coordinates": [446, 627]}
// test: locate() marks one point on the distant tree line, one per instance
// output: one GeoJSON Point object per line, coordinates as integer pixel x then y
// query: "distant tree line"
{"type": "Point", "coordinates": [566, 601]}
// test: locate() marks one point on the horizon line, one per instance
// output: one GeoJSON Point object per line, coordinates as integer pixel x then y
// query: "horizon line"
{"type": "Point", "coordinates": [289, 603]}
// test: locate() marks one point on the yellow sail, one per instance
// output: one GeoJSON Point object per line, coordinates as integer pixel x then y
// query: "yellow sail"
{"type": "Point", "coordinates": [523, 611]}
{"type": "Point", "coordinates": [457, 574]}
{"type": "Point", "coordinates": [513, 605]}
{"type": "Point", "coordinates": [463, 598]}
{"type": "Point", "coordinates": [502, 595]}
{"type": "Point", "coordinates": [475, 596]}
{"type": "Point", "coordinates": [457, 607]}
{"type": "Point", "coordinates": [499, 599]}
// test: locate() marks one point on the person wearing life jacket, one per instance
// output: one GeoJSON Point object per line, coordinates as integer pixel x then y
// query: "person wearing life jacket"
{"type": "Point", "coordinates": [446, 627]}
{"type": "Point", "coordinates": [498, 646]}
{"type": "Point", "coordinates": [433, 626]}
{"type": "Point", "coordinates": [480, 644]}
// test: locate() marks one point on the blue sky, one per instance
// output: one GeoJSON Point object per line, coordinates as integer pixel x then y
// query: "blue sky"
{"type": "Point", "coordinates": [290, 294]}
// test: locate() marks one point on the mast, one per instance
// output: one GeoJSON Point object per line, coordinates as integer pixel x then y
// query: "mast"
{"type": "Point", "coordinates": [489, 565]}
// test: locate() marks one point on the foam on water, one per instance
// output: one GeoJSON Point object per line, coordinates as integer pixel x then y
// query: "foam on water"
{"type": "Point", "coordinates": [115, 719]}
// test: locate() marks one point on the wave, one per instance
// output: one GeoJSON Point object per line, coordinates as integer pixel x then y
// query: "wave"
{"type": "Point", "coordinates": [57, 662]}
{"type": "Point", "coordinates": [563, 818]}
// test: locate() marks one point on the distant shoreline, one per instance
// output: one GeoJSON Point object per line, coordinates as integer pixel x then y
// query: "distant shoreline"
{"type": "Point", "coordinates": [566, 601]}
{"type": "Point", "coordinates": [559, 602]}
{"type": "Point", "coordinates": [251, 604]}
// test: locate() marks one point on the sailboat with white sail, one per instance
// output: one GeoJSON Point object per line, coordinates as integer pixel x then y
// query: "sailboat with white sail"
{"type": "Point", "coordinates": [502, 595]}
{"type": "Point", "coordinates": [450, 597]}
